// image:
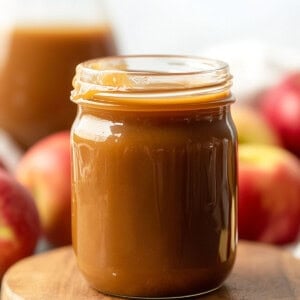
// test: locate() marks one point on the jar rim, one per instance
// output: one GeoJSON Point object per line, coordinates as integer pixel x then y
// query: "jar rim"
{"type": "Point", "coordinates": [117, 62]}
{"type": "Point", "coordinates": [150, 76]}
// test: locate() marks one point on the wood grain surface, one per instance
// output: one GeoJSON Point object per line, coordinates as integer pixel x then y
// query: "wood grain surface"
{"type": "Point", "coordinates": [261, 273]}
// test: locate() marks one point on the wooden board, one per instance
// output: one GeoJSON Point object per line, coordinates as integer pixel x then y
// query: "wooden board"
{"type": "Point", "coordinates": [260, 272]}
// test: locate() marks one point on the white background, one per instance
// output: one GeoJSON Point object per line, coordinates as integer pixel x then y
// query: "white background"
{"type": "Point", "coordinates": [259, 39]}
{"type": "Point", "coordinates": [188, 26]}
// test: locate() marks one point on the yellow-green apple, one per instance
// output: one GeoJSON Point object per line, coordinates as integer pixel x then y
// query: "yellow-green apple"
{"type": "Point", "coordinates": [19, 222]}
{"type": "Point", "coordinates": [269, 194]}
{"type": "Point", "coordinates": [252, 127]}
{"type": "Point", "coordinates": [45, 171]}
{"type": "Point", "coordinates": [281, 107]}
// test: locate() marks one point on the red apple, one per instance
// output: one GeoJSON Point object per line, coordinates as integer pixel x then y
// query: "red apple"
{"type": "Point", "coordinates": [45, 171]}
{"type": "Point", "coordinates": [281, 107]}
{"type": "Point", "coordinates": [269, 194]}
{"type": "Point", "coordinates": [19, 222]}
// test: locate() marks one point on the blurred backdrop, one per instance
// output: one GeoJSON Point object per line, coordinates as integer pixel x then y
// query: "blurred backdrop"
{"type": "Point", "coordinates": [259, 39]}
{"type": "Point", "coordinates": [190, 26]}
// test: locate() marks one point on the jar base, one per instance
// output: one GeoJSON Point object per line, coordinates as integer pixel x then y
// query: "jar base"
{"type": "Point", "coordinates": [164, 297]}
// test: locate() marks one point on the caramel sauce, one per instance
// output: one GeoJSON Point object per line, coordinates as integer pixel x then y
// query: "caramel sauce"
{"type": "Point", "coordinates": [154, 199]}
{"type": "Point", "coordinates": [36, 72]}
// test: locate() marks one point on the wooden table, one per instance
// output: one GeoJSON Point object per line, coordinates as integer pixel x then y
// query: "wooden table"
{"type": "Point", "coordinates": [261, 273]}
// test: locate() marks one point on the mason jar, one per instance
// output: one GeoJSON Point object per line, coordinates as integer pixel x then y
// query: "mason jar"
{"type": "Point", "coordinates": [154, 175]}
{"type": "Point", "coordinates": [42, 41]}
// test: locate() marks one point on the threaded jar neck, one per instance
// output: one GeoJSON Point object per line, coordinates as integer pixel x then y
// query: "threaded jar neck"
{"type": "Point", "coordinates": [152, 80]}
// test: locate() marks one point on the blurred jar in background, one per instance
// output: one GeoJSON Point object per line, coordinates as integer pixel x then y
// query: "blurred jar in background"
{"type": "Point", "coordinates": [41, 43]}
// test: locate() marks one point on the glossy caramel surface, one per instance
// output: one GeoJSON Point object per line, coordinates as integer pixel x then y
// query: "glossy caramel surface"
{"type": "Point", "coordinates": [154, 199]}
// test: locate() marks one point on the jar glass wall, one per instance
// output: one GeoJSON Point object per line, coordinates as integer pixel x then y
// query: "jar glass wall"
{"type": "Point", "coordinates": [41, 43]}
{"type": "Point", "coordinates": [154, 175]}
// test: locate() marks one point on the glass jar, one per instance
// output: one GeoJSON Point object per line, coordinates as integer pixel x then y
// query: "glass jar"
{"type": "Point", "coordinates": [154, 175]}
{"type": "Point", "coordinates": [41, 43]}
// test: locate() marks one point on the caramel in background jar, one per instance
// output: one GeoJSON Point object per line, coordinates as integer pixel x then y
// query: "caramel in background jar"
{"type": "Point", "coordinates": [37, 66]}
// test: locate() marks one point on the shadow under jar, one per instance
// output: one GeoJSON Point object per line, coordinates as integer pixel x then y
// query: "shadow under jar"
{"type": "Point", "coordinates": [154, 175]}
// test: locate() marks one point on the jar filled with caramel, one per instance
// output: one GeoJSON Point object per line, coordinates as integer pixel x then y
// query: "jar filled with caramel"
{"type": "Point", "coordinates": [154, 175]}
{"type": "Point", "coordinates": [42, 41]}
